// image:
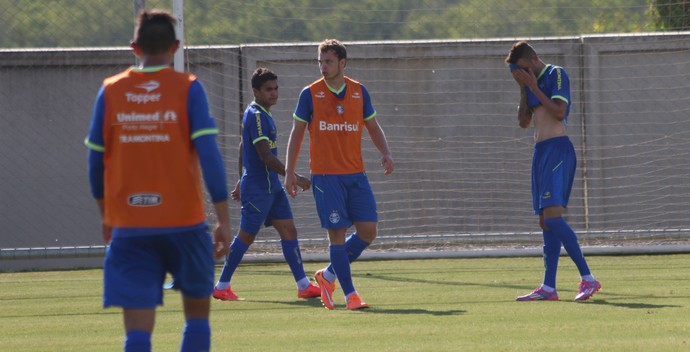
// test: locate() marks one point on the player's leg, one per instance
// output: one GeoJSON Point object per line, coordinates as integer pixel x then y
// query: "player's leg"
{"type": "Point", "coordinates": [138, 328]}
{"type": "Point", "coordinates": [361, 208]}
{"type": "Point", "coordinates": [132, 279]}
{"type": "Point", "coordinates": [192, 265]}
{"type": "Point", "coordinates": [254, 211]}
{"type": "Point", "coordinates": [239, 246]}
{"type": "Point", "coordinates": [551, 253]}
{"type": "Point", "coordinates": [291, 252]}
{"type": "Point", "coordinates": [196, 335]}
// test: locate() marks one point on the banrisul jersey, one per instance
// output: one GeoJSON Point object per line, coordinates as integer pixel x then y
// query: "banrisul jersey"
{"type": "Point", "coordinates": [148, 152]}
{"type": "Point", "coordinates": [554, 83]}
{"type": "Point", "coordinates": [258, 125]}
{"type": "Point", "coordinates": [336, 120]}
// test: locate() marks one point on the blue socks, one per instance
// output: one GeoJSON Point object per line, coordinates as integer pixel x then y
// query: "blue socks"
{"type": "Point", "coordinates": [232, 261]}
{"type": "Point", "coordinates": [137, 341]}
{"type": "Point", "coordinates": [341, 264]}
{"type": "Point", "coordinates": [354, 246]}
{"type": "Point", "coordinates": [196, 336]}
{"type": "Point", "coordinates": [293, 257]}
{"type": "Point", "coordinates": [552, 250]}
{"type": "Point", "coordinates": [566, 235]}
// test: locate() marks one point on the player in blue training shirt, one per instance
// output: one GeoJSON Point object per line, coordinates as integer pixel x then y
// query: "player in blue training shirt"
{"type": "Point", "coordinates": [263, 199]}
{"type": "Point", "coordinates": [545, 100]}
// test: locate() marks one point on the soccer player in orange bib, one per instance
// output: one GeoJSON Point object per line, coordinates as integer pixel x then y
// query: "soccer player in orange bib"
{"type": "Point", "coordinates": [335, 109]}
{"type": "Point", "coordinates": [545, 103]}
{"type": "Point", "coordinates": [150, 132]}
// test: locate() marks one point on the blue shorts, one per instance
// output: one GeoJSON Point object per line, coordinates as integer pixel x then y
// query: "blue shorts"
{"type": "Point", "coordinates": [263, 208]}
{"type": "Point", "coordinates": [553, 173]}
{"type": "Point", "coordinates": [343, 199]}
{"type": "Point", "coordinates": [135, 268]}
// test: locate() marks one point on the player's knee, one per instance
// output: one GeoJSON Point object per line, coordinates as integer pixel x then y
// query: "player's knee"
{"type": "Point", "coordinates": [245, 238]}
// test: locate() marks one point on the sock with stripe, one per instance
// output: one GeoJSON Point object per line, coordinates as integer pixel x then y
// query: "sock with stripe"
{"type": "Point", "coordinates": [293, 257]}
{"type": "Point", "coordinates": [232, 261]}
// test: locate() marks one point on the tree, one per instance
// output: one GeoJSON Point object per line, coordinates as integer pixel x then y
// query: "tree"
{"type": "Point", "coordinates": [671, 15]}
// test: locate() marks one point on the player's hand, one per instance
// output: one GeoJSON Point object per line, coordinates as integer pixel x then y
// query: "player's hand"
{"type": "Point", "coordinates": [387, 163]}
{"type": "Point", "coordinates": [290, 184]}
{"type": "Point", "coordinates": [303, 183]}
{"type": "Point", "coordinates": [107, 233]}
{"type": "Point", "coordinates": [525, 77]}
{"type": "Point", "coordinates": [221, 240]}
{"type": "Point", "coordinates": [236, 192]}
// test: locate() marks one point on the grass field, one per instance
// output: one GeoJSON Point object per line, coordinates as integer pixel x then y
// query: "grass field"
{"type": "Point", "coordinates": [417, 305]}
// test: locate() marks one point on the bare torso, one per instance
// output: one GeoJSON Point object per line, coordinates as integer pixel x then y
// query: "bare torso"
{"type": "Point", "coordinates": [546, 125]}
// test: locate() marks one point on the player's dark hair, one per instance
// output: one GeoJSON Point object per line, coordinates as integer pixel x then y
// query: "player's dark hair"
{"type": "Point", "coordinates": [520, 50]}
{"type": "Point", "coordinates": [154, 32]}
{"type": "Point", "coordinates": [336, 46]}
{"type": "Point", "coordinates": [262, 75]}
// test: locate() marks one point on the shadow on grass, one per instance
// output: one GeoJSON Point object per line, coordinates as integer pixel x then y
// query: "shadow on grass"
{"type": "Point", "coordinates": [632, 305]}
{"type": "Point", "coordinates": [438, 313]}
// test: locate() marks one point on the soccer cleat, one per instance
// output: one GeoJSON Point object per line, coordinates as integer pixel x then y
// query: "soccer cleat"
{"type": "Point", "coordinates": [587, 289]}
{"type": "Point", "coordinates": [225, 295]}
{"type": "Point", "coordinates": [355, 302]}
{"type": "Point", "coordinates": [539, 294]}
{"type": "Point", "coordinates": [310, 292]}
{"type": "Point", "coordinates": [326, 288]}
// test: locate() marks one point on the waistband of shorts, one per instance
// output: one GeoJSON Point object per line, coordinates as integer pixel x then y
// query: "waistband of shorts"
{"type": "Point", "coordinates": [552, 141]}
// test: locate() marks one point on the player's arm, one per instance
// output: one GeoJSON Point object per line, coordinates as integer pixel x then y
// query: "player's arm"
{"type": "Point", "coordinates": [204, 131]}
{"type": "Point", "coordinates": [376, 132]}
{"type": "Point", "coordinates": [379, 140]}
{"type": "Point", "coordinates": [235, 194]}
{"type": "Point", "coordinates": [274, 164]}
{"type": "Point", "coordinates": [524, 112]}
{"type": "Point", "coordinates": [96, 167]}
{"type": "Point", "coordinates": [293, 149]}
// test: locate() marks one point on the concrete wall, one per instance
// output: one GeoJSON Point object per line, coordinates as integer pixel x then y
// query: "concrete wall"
{"type": "Point", "coordinates": [448, 110]}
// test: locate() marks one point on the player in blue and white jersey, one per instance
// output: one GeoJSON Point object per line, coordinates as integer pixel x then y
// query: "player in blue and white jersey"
{"type": "Point", "coordinates": [264, 201]}
{"type": "Point", "coordinates": [545, 100]}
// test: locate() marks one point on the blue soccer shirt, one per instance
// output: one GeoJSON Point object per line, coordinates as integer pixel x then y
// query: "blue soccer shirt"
{"type": "Point", "coordinates": [554, 83]}
{"type": "Point", "coordinates": [258, 125]}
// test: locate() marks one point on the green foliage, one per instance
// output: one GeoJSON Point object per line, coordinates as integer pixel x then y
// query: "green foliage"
{"type": "Point", "coordinates": [82, 23]}
{"type": "Point", "coordinates": [671, 15]}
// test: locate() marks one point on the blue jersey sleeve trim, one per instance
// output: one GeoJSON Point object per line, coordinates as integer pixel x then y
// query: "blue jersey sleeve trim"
{"type": "Point", "coordinates": [260, 139]}
{"type": "Point", "coordinates": [204, 132]}
{"type": "Point", "coordinates": [93, 146]}
{"type": "Point", "coordinates": [197, 108]}
{"type": "Point", "coordinates": [305, 106]}
{"type": "Point", "coordinates": [299, 118]}
{"type": "Point", "coordinates": [561, 98]}
{"type": "Point", "coordinates": [369, 111]}
{"type": "Point", "coordinates": [212, 167]}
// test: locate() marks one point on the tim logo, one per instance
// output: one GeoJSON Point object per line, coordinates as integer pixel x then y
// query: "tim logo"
{"type": "Point", "coordinates": [149, 86]}
{"type": "Point", "coordinates": [144, 200]}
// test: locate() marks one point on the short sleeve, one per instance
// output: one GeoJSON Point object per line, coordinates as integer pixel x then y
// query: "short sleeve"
{"type": "Point", "coordinates": [305, 106]}
{"type": "Point", "coordinates": [560, 85]}
{"type": "Point", "coordinates": [369, 112]}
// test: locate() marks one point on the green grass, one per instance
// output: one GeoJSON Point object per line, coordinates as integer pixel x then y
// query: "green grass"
{"type": "Point", "coordinates": [417, 305]}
